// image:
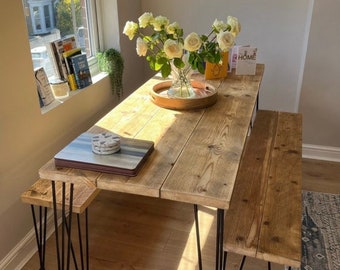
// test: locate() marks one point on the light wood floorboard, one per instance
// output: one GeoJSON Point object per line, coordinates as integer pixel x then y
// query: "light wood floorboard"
{"type": "Point", "coordinates": [129, 232]}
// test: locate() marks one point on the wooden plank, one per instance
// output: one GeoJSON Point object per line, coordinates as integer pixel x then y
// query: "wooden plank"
{"type": "Point", "coordinates": [76, 176]}
{"type": "Point", "coordinates": [40, 194]}
{"type": "Point", "coordinates": [243, 218]}
{"type": "Point", "coordinates": [170, 131]}
{"type": "Point", "coordinates": [140, 118]}
{"type": "Point", "coordinates": [280, 236]}
{"type": "Point", "coordinates": [206, 170]}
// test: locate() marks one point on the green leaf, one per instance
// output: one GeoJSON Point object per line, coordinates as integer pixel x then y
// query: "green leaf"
{"type": "Point", "coordinates": [178, 62]}
{"type": "Point", "coordinates": [166, 70]}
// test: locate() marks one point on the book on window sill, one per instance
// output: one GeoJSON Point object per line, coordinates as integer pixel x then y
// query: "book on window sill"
{"type": "Point", "coordinates": [81, 70]}
{"type": "Point", "coordinates": [58, 47]}
{"type": "Point", "coordinates": [43, 86]}
{"type": "Point", "coordinates": [67, 55]}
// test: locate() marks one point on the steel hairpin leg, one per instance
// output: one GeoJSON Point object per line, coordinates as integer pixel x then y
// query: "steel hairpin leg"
{"type": "Point", "coordinates": [86, 241]}
{"type": "Point", "coordinates": [219, 239]}
{"type": "Point", "coordinates": [198, 241]}
{"type": "Point", "coordinates": [61, 262]}
{"type": "Point", "coordinates": [40, 234]}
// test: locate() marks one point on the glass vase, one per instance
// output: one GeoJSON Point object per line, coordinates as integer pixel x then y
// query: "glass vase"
{"type": "Point", "coordinates": [181, 82]}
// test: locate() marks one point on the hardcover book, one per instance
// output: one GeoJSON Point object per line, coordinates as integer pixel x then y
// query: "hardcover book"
{"type": "Point", "coordinates": [246, 60]}
{"type": "Point", "coordinates": [81, 70]}
{"type": "Point", "coordinates": [69, 67]}
{"type": "Point", "coordinates": [58, 47]}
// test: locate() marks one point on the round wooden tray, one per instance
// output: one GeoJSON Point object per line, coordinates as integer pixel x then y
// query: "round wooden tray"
{"type": "Point", "coordinates": [206, 96]}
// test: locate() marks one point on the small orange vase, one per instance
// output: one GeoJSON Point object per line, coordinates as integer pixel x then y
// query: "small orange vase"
{"type": "Point", "coordinates": [217, 71]}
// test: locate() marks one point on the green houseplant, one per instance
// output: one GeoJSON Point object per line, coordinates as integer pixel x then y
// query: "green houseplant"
{"type": "Point", "coordinates": [111, 61]}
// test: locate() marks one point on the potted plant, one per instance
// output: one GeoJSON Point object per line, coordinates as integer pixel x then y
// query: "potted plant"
{"type": "Point", "coordinates": [111, 61]}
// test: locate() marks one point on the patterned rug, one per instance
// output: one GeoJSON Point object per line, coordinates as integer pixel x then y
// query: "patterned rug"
{"type": "Point", "coordinates": [320, 231]}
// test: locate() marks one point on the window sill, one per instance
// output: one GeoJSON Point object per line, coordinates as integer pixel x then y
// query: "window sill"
{"type": "Point", "coordinates": [58, 102]}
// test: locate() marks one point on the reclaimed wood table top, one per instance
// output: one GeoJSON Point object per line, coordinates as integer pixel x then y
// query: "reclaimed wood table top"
{"type": "Point", "coordinates": [196, 152]}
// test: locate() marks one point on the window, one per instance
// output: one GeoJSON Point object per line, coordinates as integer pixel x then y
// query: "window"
{"type": "Point", "coordinates": [50, 20]}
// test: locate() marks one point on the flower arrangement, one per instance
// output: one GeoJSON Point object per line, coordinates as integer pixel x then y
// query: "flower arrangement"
{"type": "Point", "coordinates": [163, 44]}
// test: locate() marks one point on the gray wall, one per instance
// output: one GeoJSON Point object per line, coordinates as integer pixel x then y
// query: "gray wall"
{"type": "Point", "coordinates": [320, 95]}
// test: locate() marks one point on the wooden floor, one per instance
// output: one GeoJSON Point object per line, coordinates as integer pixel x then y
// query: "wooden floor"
{"type": "Point", "coordinates": [129, 232]}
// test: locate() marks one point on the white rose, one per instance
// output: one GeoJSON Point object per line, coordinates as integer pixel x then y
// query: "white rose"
{"type": "Point", "coordinates": [234, 24]}
{"type": "Point", "coordinates": [192, 42]}
{"type": "Point", "coordinates": [225, 40]}
{"type": "Point", "coordinates": [145, 19]}
{"type": "Point", "coordinates": [141, 47]}
{"type": "Point", "coordinates": [160, 22]}
{"type": "Point", "coordinates": [130, 29]}
{"type": "Point", "coordinates": [219, 25]}
{"type": "Point", "coordinates": [171, 28]}
{"type": "Point", "coordinates": [173, 49]}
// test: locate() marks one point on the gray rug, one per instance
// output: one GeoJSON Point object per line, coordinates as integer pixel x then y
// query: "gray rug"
{"type": "Point", "coordinates": [320, 231]}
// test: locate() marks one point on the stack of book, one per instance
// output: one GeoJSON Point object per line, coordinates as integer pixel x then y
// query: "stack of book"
{"type": "Point", "coordinates": [70, 63]}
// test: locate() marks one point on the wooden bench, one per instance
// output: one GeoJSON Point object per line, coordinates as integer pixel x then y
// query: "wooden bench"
{"type": "Point", "coordinates": [70, 198]}
{"type": "Point", "coordinates": [264, 218]}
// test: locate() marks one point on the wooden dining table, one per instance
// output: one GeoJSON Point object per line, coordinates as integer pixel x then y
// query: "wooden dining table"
{"type": "Point", "coordinates": [196, 152]}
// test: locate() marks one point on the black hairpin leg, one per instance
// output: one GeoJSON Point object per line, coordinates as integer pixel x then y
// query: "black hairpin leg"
{"type": "Point", "coordinates": [219, 239]}
{"type": "Point", "coordinates": [269, 266]}
{"type": "Point", "coordinates": [242, 262]}
{"type": "Point", "coordinates": [61, 255]}
{"type": "Point", "coordinates": [40, 234]}
{"type": "Point", "coordinates": [86, 241]}
{"type": "Point", "coordinates": [198, 241]}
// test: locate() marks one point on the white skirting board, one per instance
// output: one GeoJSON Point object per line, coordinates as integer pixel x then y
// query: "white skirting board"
{"type": "Point", "coordinates": [27, 247]}
{"type": "Point", "coordinates": [321, 152]}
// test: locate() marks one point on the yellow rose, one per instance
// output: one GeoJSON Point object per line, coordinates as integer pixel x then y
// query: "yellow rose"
{"type": "Point", "coordinates": [219, 25]}
{"type": "Point", "coordinates": [130, 29]}
{"type": "Point", "coordinates": [141, 47]}
{"type": "Point", "coordinates": [145, 19]}
{"type": "Point", "coordinates": [160, 22]}
{"type": "Point", "coordinates": [173, 49]}
{"type": "Point", "coordinates": [225, 40]}
{"type": "Point", "coordinates": [234, 24]}
{"type": "Point", "coordinates": [192, 42]}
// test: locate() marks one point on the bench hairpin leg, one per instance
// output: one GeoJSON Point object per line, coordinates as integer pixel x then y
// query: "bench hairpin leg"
{"type": "Point", "coordinates": [72, 250]}
{"type": "Point", "coordinates": [219, 239]}
{"type": "Point", "coordinates": [87, 239]}
{"type": "Point", "coordinates": [40, 235]}
{"type": "Point", "coordinates": [225, 254]}
{"type": "Point", "coordinates": [269, 266]}
{"type": "Point", "coordinates": [198, 241]}
{"type": "Point", "coordinates": [54, 196]}
{"type": "Point", "coordinates": [80, 243]}
{"type": "Point", "coordinates": [70, 226]}
{"type": "Point", "coordinates": [242, 262]}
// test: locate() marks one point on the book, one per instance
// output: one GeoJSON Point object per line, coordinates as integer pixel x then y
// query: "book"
{"type": "Point", "coordinates": [246, 60]}
{"type": "Point", "coordinates": [43, 86]}
{"type": "Point", "coordinates": [58, 47]}
{"type": "Point", "coordinates": [69, 67]}
{"type": "Point", "coordinates": [81, 70]}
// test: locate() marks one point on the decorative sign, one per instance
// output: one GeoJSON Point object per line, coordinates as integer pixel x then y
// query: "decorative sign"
{"type": "Point", "coordinates": [245, 60]}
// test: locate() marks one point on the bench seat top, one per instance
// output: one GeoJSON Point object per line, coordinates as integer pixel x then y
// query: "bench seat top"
{"type": "Point", "coordinates": [40, 194]}
{"type": "Point", "coordinates": [264, 218]}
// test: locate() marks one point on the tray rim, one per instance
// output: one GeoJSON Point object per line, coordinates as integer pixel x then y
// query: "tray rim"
{"type": "Point", "coordinates": [183, 103]}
